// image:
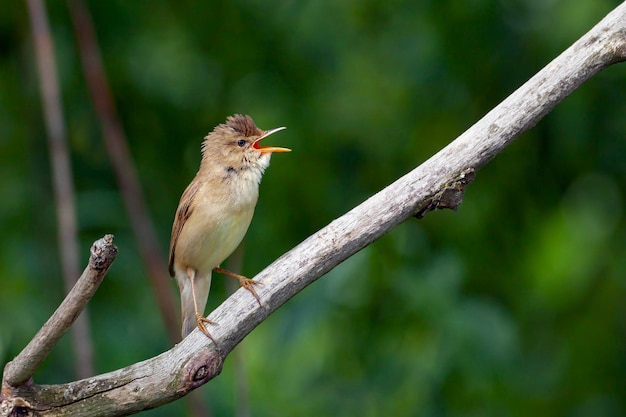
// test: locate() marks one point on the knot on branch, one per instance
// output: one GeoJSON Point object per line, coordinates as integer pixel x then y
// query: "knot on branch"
{"type": "Point", "coordinates": [103, 252]}
{"type": "Point", "coordinates": [16, 407]}
{"type": "Point", "coordinates": [451, 196]}
{"type": "Point", "coordinates": [202, 368]}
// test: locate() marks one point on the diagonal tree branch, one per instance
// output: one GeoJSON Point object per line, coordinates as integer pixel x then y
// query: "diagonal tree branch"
{"type": "Point", "coordinates": [22, 368]}
{"type": "Point", "coordinates": [196, 360]}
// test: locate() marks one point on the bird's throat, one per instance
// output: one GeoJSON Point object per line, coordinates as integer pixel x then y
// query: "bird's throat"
{"type": "Point", "coordinates": [243, 185]}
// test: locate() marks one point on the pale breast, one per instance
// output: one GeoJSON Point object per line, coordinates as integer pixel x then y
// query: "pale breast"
{"type": "Point", "coordinates": [213, 231]}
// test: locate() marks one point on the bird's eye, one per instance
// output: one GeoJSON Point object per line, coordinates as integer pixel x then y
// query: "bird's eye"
{"type": "Point", "coordinates": [241, 143]}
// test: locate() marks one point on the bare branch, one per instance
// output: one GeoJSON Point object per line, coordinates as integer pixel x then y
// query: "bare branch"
{"type": "Point", "coordinates": [22, 368]}
{"type": "Point", "coordinates": [196, 360]}
{"type": "Point", "coordinates": [242, 388]}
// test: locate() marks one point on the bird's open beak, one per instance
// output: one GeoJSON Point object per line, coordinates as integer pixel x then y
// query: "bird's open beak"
{"type": "Point", "coordinates": [269, 149]}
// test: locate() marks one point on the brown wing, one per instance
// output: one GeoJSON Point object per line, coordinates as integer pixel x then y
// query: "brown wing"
{"type": "Point", "coordinates": [182, 214]}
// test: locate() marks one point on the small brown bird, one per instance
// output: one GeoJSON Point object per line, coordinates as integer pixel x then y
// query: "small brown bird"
{"type": "Point", "coordinates": [215, 211]}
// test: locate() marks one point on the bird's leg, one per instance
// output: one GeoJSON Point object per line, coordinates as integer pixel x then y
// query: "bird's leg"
{"type": "Point", "coordinates": [247, 283]}
{"type": "Point", "coordinates": [200, 319]}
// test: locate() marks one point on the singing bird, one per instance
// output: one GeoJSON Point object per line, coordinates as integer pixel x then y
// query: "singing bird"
{"type": "Point", "coordinates": [215, 211]}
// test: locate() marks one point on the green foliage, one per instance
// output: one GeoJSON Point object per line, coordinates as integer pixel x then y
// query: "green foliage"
{"type": "Point", "coordinates": [513, 306]}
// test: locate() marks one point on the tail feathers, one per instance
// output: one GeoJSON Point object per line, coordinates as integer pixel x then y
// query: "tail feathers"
{"type": "Point", "coordinates": [188, 312]}
{"type": "Point", "coordinates": [189, 323]}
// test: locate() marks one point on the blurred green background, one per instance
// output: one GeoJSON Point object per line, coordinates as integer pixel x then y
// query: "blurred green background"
{"type": "Point", "coordinates": [513, 306]}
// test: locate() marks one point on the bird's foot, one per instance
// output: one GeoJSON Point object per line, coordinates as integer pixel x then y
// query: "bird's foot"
{"type": "Point", "coordinates": [244, 282]}
{"type": "Point", "coordinates": [202, 326]}
{"type": "Point", "coordinates": [249, 284]}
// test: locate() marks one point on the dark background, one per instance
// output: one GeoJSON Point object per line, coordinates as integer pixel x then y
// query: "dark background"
{"type": "Point", "coordinates": [513, 306]}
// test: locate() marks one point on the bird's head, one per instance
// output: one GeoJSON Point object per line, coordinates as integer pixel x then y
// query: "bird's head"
{"type": "Point", "coordinates": [236, 145]}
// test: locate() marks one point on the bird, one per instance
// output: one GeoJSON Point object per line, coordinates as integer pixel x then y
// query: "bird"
{"type": "Point", "coordinates": [215, 211]}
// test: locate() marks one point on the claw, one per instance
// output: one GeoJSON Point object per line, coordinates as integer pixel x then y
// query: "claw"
{"type": "Point", "coordinates": [201, 320]}
{"type": "Point", "coordinates": [249, 284]}
{"type": "Point", "coordinates": [246, 283]}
